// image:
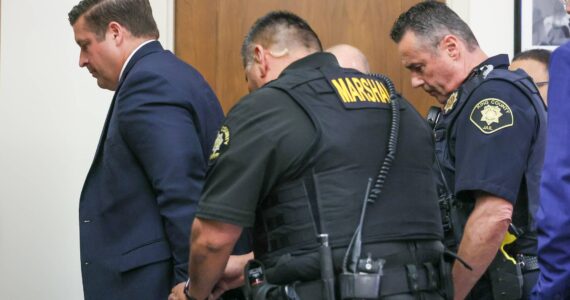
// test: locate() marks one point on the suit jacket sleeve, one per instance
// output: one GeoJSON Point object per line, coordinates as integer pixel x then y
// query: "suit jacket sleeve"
{"type": "Point", "coordinates": [553, 217]}
{"type": "Point", "coordinates": [158, 126]}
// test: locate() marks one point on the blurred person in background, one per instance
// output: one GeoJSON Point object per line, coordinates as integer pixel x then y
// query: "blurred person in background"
{"type": "Point", "coordinates": [535, 63]}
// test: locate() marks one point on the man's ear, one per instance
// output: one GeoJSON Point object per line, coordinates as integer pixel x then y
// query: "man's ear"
{"type": "Point", "coordinates": [450, 44]}
{"type": "Point", "coordinates": [260, 58]}
{"type": "Point", "coordinates": [116, 32]}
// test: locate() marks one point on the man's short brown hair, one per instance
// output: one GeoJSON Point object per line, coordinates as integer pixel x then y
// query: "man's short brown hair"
{"type": "Point", "coordinates": [135, 15]}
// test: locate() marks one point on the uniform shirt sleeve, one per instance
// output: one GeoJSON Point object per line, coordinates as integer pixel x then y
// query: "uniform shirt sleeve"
{"type": "Point", "coordinates": [269, 135]}
{"type": "Point", "coordinates": [491, 153]}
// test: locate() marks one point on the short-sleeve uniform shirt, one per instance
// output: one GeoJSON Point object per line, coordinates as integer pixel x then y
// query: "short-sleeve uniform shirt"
{"type": "Point", "coordinates": [493, 136]}
{"type": "Point", "coordinates": [264, 139]}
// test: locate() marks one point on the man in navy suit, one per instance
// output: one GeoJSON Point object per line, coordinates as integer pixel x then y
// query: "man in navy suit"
{"type": "Point", "coordinates": [553, 217]}
{"type": "Point", "coordinates": [140, 195]}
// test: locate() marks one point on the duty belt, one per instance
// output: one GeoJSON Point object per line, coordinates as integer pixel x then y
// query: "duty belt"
{"type": "Point", "coordinates": [527, 262]}
{"type": "Point", "coordinates": [397, 280]}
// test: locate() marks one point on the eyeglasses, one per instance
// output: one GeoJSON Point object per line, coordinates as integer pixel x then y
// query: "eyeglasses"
{"type": "Point", "coordinates": [541, 83]}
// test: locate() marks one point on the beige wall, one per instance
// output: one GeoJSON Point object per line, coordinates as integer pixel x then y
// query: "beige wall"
{"type": "Point", "coordinates": [51, 114]}
{"type": "Point", "coordinates": [494, 28]}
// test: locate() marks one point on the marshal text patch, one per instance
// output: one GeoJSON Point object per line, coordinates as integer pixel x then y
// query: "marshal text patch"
{"type": "Point", "coordinates": [491, 115]}
{"type": "Point", "coordinates": [221, 143]}
{"type": "Point", "coordinates": [357, 91]}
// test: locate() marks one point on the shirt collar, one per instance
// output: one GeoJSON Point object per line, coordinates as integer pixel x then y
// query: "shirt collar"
{"type": "Point", "coordinates": [131, 56]}
{"type": "Point", "coordinates": [312, 61]}
{"type": "Point", "coordinates": [500, 61]}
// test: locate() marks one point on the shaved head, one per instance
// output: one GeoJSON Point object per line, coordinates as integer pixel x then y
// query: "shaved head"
{"type": "Point", "coordinates": [280, 31]}
{"type": "Point", "coordinates": [350, 57]}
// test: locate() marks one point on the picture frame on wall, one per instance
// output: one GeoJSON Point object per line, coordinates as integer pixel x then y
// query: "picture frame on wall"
{"type": "Point", "coordinates": [540, 24]}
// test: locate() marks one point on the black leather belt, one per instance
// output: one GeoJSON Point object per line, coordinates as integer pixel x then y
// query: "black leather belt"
{"type": "Point", "coordinates": [527, 262]}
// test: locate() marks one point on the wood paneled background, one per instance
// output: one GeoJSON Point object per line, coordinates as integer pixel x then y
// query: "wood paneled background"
{"type": "Point", "coordinates": [209, 34]}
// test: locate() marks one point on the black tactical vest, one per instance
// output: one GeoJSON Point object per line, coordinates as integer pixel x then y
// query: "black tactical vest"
{"type": "Point", "coordinates": [528, 196]}
{"type": "Point", "coordinates": [327, 194]}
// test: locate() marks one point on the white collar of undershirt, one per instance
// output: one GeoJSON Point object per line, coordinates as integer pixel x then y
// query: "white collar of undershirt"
{"type": "Point", "coordinates": [131, 56]}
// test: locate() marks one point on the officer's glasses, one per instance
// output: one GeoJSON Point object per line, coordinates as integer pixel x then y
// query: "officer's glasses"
{"type": "Point", "coordinates": [541, 83]}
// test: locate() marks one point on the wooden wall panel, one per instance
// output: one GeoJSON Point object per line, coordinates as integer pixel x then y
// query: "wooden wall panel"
{"type": "Point", "coordinates": [209, 36]}
{"type": "Point", "coordinates": [196, 38]}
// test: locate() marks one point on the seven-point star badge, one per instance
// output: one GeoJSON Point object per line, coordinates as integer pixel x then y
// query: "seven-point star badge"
{"type": "Point", "coordinates": [491, 115]}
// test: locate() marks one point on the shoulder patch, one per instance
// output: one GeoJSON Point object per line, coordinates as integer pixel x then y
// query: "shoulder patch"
{"type": "Point", "coordinates": [221, 143]}
{"type": "Point", "coordinates": [491, 115]}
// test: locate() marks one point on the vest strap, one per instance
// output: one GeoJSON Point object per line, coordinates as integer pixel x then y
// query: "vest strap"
{"type": "Point", "coordinates": [306, 237]}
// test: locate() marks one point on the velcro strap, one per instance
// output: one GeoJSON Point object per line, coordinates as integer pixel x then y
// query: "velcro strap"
{"type": "Point", "coordinates": [409, 279]}
{"type": "Point", "coordinates": [304, 236]}
{"type": "Point", "coordinates": [301, 216]}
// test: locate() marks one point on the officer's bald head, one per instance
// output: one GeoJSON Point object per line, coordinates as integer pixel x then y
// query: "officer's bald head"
{"type": "Point", "coordinates": [281, 32]}
{"type": "Point", "coordinates": [350, 57]}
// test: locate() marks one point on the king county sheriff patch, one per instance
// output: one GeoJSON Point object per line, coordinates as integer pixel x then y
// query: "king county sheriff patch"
{"type": "Point", "coordinates": [491, 115]}
{"type": "Point", "coordinates": [221, 143]}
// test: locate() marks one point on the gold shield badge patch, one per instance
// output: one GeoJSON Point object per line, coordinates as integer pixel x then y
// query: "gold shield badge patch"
{"type": "Point", "coordinates": [450, 103]}
{"type": "Point", "coordinates": [491, 115]}
{"type": "Point", "coordinates": [221, 143]}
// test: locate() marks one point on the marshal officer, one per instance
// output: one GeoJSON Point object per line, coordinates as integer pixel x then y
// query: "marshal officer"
{"type": "Point", "coordinates": [489, 145]}
{"type": "Point", "coordinates": [298, 159]}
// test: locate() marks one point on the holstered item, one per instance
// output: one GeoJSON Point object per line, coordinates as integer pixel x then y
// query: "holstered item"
{"type": "Point", "coordinates": [506, 278]}
{"type": "Point", "coordinates": [256, 286]}
{"type": "Point", "coordinates": [359, 286]}
{"type": "Point", "coordinates": [446, 283]}
{"type": "Point", "coordinates": [433, 115]}
{"type": "Point", "coordinates": [452, 219]}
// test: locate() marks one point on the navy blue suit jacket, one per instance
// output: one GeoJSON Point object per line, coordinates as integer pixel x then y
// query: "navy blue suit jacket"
{"type": "Point", "coordinates": [553, 217]}
{"type": "Point", "coordinates": [140, 195]}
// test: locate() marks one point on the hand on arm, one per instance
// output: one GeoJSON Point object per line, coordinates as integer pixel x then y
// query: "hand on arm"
{"type": "Point", "coordinates": [212, 244]}
{"type": "Point", "coordinates": [177, 292]}
{"type": "Point", "coordinates": [482, 236]}
{"type": "Point", "coordinates": [233, 274]}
